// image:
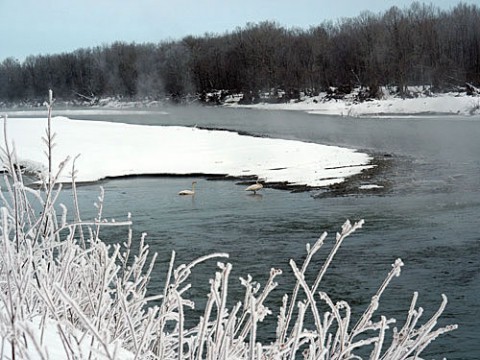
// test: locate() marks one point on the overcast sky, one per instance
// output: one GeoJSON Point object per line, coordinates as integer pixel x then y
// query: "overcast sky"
{"type": "Point", "coordinates": [33, 27]}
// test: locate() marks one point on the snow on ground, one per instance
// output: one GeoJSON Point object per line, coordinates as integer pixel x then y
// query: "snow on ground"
{"type": "Point", "coordinates": [50, 345]}
{"type": "Point", "coordinates": [422, 103]}
{"type": "Point", "coordinates": [115, 149]}
{"type": "Point", "coordinates": [445, 104]}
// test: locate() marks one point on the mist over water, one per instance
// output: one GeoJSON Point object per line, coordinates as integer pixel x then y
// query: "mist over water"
{"type": "Point", "coordinates": [427, 214]}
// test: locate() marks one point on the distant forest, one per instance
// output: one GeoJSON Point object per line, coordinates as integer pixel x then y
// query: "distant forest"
{"type": "Point", "coordinates": [419, 45]}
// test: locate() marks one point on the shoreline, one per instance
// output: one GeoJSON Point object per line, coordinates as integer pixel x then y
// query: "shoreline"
{"type": "Point", "coordinates": [448, 104]}
{"type": "Point", "coordinates": [190, 151]}
{"type": "Point", "coordinates": [420, 103]}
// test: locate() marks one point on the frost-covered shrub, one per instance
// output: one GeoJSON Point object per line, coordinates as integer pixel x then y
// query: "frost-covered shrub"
{"type": "Point", "coordinates": [65, 294]}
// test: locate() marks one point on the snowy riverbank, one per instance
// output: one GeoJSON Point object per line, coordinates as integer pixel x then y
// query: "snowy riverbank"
{"type": "Point", "coordinates": [115, 149]}
{"type": "Point", "coordinates": [421, 102]}
{"type": "Point", "coordinates": [389, 106]}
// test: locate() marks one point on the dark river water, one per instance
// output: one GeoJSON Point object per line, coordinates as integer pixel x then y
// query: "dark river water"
{"type": "Point", "coordinates": [427, 214]}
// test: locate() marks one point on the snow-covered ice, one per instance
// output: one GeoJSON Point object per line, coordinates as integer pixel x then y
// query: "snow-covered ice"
{"type": "Point", "coordinates": [116, 149]}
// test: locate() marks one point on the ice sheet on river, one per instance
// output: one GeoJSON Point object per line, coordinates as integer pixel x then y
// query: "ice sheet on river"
{"type": "Point", "coordinates": [115, 149]}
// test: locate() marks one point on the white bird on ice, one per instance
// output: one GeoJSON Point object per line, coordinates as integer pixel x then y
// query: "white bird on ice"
{"type": "Point", "coordinates": [255, 187]}
{"type": "Point", "coordinates": [189, 192]}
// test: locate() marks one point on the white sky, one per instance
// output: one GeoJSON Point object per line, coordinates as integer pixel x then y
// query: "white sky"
{"type": "Point", "coordinates": [33, 27]}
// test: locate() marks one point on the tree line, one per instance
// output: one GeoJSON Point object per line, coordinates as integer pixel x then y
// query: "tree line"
{"type": "Point", "coordinates": [418, 45]}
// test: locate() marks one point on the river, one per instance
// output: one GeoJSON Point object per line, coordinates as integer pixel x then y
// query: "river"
{"type": "Point", "coordinates": [427, 213]}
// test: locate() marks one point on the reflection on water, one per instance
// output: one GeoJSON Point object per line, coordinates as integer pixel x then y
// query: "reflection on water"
{"type": "Point", "coordinates": [428, 216]}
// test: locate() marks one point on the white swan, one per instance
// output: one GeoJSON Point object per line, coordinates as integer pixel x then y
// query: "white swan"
{"type": "Point", "coordinates": [189, 192]}
{"type": "Point", "coordinates": [255, 187]}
